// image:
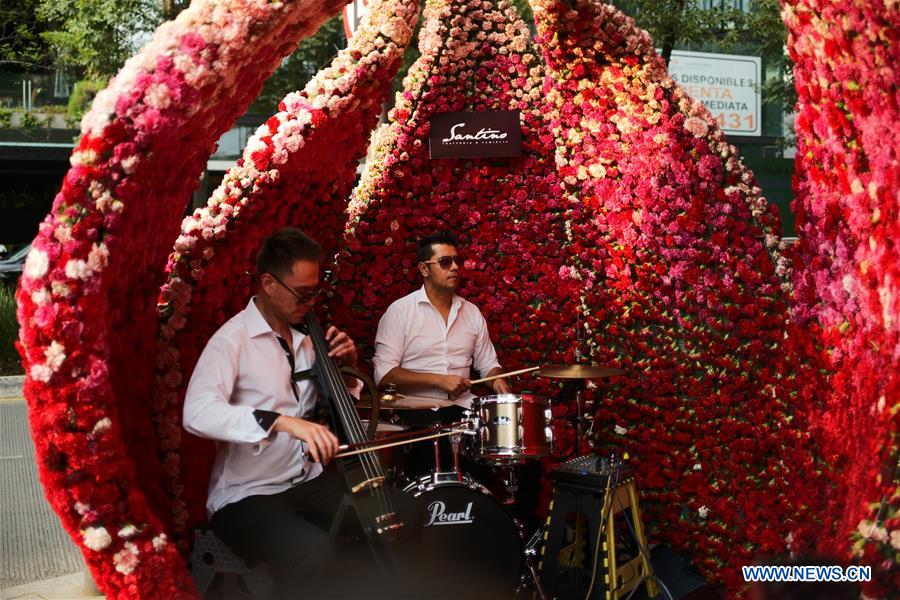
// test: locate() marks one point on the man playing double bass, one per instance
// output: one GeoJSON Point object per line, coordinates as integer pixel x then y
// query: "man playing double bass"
{"type": "Point", "coordinates": [269, 498]}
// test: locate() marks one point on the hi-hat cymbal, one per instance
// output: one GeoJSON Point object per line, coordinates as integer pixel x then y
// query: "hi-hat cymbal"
{"type": "Point", "coordinates": [578, 372]}
{"type": "Point", "coordinates": [405, 402]}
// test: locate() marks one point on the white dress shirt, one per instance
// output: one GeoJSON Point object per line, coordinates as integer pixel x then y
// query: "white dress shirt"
{"type": "Point", "coordinates": [412, 334]}
{"type": "Point", "coordinates": [244, 368]}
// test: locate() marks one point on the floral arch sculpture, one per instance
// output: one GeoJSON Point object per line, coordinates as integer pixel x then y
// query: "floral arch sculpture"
{"type": "Point", "coordinates": [628, 217]}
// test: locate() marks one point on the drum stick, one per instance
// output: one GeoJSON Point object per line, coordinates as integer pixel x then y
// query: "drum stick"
{"type": "Point", "coordinates": [502, 375]}
{"type": "Point", "coordinates": [392, 444]}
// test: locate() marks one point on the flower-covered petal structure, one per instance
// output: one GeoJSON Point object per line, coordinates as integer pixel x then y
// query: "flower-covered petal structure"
{"type": "Point", "coordinates": [628, 221]}
{"type": "Point", "coordinates": [87, 299]}
{"type": "Point", "coordinates": [677, 250]}
{"type": "Point", "coordinates": [848, 265]}
{"type": "Point", "coordinates": [298, 169]}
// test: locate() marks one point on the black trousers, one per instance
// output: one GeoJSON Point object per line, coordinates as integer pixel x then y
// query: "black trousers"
{"type": "Point", "coordinates": [289, 532]}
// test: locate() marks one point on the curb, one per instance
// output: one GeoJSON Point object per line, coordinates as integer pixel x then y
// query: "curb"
{"type": "Point", "coordinates": [11, 386]}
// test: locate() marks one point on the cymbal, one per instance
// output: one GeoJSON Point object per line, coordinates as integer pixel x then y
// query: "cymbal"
{"type": "Point", "coordinates": [404, 402]}
{"type": "Point", "coordinates": [578, 372]}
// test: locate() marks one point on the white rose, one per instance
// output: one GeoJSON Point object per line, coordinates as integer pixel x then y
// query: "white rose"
{"type": "Point", "coordinates": [101, 425]}
{"type": "Point", "coordinates": [41, 373]}
{"type": "Point", "coordinates": [127, 531]}
{"type": "Point", "coordinates": [126, 559]}
{"type": "Point", "coordinates": [77, 269]}
{"type": "Point", "coordinates": [37, 264]}
{"type": "Point", "coordinates": [96, 538]}
{"type": "Point", "coordinates": [56, 355]}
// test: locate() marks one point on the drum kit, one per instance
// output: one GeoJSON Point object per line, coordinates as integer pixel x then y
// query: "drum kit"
{"type": "Point", "coordinates": [462, 516]}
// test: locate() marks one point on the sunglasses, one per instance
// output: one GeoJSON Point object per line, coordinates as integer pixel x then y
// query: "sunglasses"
{"type": "Point", "coordinates": [445, 261]}
{"type": "Point", "coordinates": [301, 298]}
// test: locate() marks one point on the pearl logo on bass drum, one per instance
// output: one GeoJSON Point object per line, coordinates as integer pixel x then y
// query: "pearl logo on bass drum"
{"type": "Point", "coordinates": [438, 515]}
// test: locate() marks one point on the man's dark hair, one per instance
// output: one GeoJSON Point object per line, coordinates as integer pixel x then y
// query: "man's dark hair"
{"type": "Point", "coordinates": [425, 250]}
{"type": "Point", "coordinates": [283, 248]}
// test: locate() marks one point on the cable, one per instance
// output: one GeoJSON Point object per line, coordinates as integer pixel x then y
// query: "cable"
{"type": "Point", "coordinates": [601, 531]}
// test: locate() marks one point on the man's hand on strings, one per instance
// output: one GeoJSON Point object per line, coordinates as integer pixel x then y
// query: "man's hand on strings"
{"type": "Point", "coordinates": [341, 347]}
{"type": "Point", "coordinates": [323, 445]}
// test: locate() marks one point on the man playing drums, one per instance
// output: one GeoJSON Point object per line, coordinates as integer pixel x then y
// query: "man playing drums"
{"type": "Point", "coordinates": [428, 341]}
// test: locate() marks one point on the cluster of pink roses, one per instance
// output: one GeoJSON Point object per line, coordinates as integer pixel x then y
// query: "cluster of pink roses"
{"type": "Point", "coordinates": [847, 268]}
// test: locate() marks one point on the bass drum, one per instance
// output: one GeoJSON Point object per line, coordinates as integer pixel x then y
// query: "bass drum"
{"type": "Point", "coordinates": [471, 534]}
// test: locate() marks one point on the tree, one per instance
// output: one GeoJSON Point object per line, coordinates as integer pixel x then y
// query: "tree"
{"type": "Point", "coordinates": [313, 53]}
{"type": "Point", "coordinates": [722, 25]}
{"type": "Point", "coordinates": [22, 47]}
{"type": "Point", "coordinates": [769, 40]}
{"type": "Point", "coordinates": [97, 35]}
{"type": "Point", "coordinates": [685, 22]}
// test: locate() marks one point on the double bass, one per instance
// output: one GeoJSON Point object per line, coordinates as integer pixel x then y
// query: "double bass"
{"type": "Point", "coordinates": [364, 476]}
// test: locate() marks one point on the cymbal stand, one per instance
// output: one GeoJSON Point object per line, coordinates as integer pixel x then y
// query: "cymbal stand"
{"type": "Point", "coordinates": [579, 389]}
{"type": "Point", "coordinates": [579, 409]}
{"type": "Point", "coordinates": [437, 461]}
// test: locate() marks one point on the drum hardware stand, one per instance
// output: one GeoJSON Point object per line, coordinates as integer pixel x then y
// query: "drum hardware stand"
{"type": "Point", "coordinates": [510, 482]}
{"type": "Point", "coordinates": [529, 553]}
{"type": "Point", "coordinates": [454, 445]}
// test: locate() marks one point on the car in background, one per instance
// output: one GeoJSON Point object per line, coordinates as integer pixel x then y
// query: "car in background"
{"type": "Point", "coordinates": [11, 267]}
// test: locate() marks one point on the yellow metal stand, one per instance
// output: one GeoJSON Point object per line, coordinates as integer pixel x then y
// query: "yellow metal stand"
{"type": "Point", "coordinates": [566, 569]}
{"type": "Point", "coordinates": [621, 579]}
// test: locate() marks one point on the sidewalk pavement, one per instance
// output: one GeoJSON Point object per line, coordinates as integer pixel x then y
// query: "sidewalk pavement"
{"type": "Point", "coordinates": [37, 558]}
{"type": "Point", "coordinates": [73, 586]}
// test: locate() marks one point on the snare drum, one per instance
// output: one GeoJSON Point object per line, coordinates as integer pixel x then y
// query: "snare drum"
{"type": "Point", "coordinates": [512, 427]}
{"type": "Point", "coordinates": [470, 534]}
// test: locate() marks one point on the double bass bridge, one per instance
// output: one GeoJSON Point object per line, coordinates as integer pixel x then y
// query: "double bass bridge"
{"type": "Point", "coordinates": [370, 484]}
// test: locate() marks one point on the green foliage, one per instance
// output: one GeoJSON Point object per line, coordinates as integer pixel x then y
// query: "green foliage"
{"type": "Point", "coordinates": [22, 47]}
{"type": "Point", "coordinates": [769, 40]}
{"type": "Point", "coordinates": [82, 95]}
{"type": "Point", "coordinates": [29, 121]}
{"type": "Point", "coordinates": [296, 70]}
{"type": "Point", "coordinates": [5, 118]}
{"type": "Point", "coordinates": [9, 332]}
{"type": "Point", "coordinates": [759, 31]}
{"type": "Point", "coordinates": [686, 23]}
{"type": "Point", "coordinates": [97, 35]}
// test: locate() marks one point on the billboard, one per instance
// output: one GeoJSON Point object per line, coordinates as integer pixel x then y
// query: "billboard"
{"type": "Point", "coordinates": [727, 84]}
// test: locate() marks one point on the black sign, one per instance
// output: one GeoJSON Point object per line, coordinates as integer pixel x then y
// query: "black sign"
{"type": "Point", "coordinates": [475, 134]}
